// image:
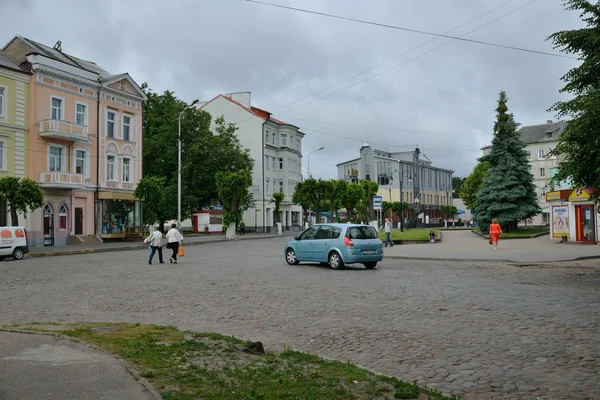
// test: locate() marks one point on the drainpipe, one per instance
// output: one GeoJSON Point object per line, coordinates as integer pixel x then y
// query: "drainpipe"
{"type": "Point", "coordinates": [263, 172]}
{"type": "Point", "coordinates": [96, 200]}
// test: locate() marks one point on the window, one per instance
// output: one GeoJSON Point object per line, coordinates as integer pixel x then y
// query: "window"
{"type": "Point", "coordinates": [309, 234]}
{"type": "Point", "coordinates": [126, 170]}
{"type": "Point", "coordinates": [280, 163]}
{"type": "Point", "coordinates": [541, 153]}
{"type": "Point", "coordinates": [283, 140]}
{"type": "Point", "coordinates": [542, 172]}
{"type": "Point", "coordinates": [543, 192]}
{"type": "Point", "coordinates": [80, 162]}
{"type": "Point", "coordinates": [298, 144]}
{"type": "Point", "coordinates": [57, 108]}
{"type": "Point", "coordinates": [2, 154]}
{"type": "Point", "coordinates": [274, 163]}
{"type": "Point", "coordinates": [281, 186]}
{"type": "Point", "coordinates": [268, 186]}
{"type": "Point", "coordinates": [126, 127]}
{"type": "Point", "coordinates": [81, 114]}
{"type": "Point", "coordinates": [2, 94]}
{"type": "Point", "coordinates": [110, 124]}
{"type": "Point", "coordinates": [55, 156]}
{"type": "Point", "coordinates": [267, 162]}
{"type": "Point", "coordinates": [362, 232]}
{"type": "Point", "coordinates": [110, 168]}
{"type": "Point", "coordinates": [62, 217]}
{"type": "Point", "coordinates": [273, 139]}
{"type": "Point", "coordinates": [267, 137]}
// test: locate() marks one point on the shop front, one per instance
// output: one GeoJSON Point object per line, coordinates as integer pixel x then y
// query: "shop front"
{"type": "Point", "coordinates": [119, 216]}
{"type": "Point", "coordinates": [574, 215]}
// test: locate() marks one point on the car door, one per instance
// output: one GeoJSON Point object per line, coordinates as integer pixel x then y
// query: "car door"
{"type": "Point", "coordinates": [304, 251]}
{"type": "Point", "coordinates": [322, 243]}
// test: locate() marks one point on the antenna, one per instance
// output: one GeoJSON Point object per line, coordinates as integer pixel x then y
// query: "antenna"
{"type": "Point", "coordinates": [58, 46]}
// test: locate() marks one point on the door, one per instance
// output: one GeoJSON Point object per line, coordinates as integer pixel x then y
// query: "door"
{"type": "Point", "coordinates": [48, 216]}
{"type": "Point", "coordinates": [586, 223]}
{"type": "Point", "coordinates": [322, 242]}
{"type": "Point", "coordinates": [78, 221]}
{"type": "Point", "coordinates": [304, 250]}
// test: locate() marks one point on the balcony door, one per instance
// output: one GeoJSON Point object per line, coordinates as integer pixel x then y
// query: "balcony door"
{"type": "Point", "coordinates": [48, 217]}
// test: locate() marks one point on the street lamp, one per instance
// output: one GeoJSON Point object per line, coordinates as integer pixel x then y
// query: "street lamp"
{"type": "Point", "coordinates": [309, 175]}
{"type": "Point", "coordinates": [179, 165]}
{"type": "Point", "coordinates": [401, 173]}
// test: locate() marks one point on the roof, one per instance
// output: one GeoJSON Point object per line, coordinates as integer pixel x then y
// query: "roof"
{"type": "Point", "coordinates": [7, 62]}
{"type": "Point", "coordinates": [547, 132]}
{"type": "Point", "coordinates": [257, 112]}
{"type": "Point", "coordinates": [346, 162]}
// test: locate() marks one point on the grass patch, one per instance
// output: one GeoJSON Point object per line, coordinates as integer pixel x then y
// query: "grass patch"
{"type": "Point", "coordinates": [192, 365]}
{"type": "Point", "coordinates": [523, 232]}
{"type": "Point", "coordinates": [410, 234]}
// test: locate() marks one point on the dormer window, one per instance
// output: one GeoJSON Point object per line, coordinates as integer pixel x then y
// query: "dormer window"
{"type": "Point", "coordinates": [549, 135]}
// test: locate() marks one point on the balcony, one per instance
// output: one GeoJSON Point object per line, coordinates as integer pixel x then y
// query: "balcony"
{"type": "Point", "coordinates": [63, 130]}
{"type": "Point", "coordinates": [62, 179]}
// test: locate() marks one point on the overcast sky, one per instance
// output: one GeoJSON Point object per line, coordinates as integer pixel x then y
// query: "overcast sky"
{"type": "Point", "coordinates": [443, 101]}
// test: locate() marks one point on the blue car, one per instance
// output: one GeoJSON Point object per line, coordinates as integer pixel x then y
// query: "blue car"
{"type": "Point", "coordinates": [336, 245]}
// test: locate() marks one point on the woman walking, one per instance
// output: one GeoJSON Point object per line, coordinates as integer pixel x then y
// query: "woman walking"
{"type": "Point", "coordinates": [174, 239]}
{"type": "Point", "coordinates": [156, 245]}
{"type": "Point", "coordinates": [495, 232]}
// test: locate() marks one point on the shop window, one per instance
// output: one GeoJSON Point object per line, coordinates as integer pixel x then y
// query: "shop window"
{"type": "Point", "coordinates": [120, 216]}
{"type": "Point", "coordinates": [62, 217]}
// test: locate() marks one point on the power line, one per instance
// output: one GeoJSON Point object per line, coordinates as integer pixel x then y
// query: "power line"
{"type": "Point", "coordinates": [397, 56]}
{"type": "Point", "coordinates": [409, 60]}
{"type": "Point", "coordinates": [412, 30]}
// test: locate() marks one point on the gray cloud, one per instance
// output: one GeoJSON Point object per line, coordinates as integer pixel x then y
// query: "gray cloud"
{"type": "Point", "coordinates": [201, 48]}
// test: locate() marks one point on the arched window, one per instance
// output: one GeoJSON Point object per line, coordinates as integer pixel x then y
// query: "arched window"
{"type": "Point", "coordinates": [62, 216]}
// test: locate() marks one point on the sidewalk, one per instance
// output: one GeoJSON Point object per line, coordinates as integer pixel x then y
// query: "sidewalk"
{"type": "Point", "coordinates": [465, 245]}
{"type": "Point", "coordinates": [39, 367]}
{"type": "Point", "coordinates": [124, 246]}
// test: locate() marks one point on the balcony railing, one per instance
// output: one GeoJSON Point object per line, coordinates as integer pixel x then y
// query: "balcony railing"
{"type": "Point", "coordinates": [63, 130]}
{"type": "Point", "coordinates": [62, 179]}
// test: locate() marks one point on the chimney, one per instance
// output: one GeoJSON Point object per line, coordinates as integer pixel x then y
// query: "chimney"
{"type": "Point", "coordinates": [241, 97]}
{"type": "Point", "coordinates": [549, 121]}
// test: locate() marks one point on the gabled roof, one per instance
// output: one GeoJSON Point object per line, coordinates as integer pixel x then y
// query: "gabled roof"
{"type": "Point", "coordinates": [257, 112]}
{"type": "Point", "coordinates": [548, 132]}
{"type": "Point", "coordinates": [7, 62]}
{"type": "Point", "coordinates": [107, 80]}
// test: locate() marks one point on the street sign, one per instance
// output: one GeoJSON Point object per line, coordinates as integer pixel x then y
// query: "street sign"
{"type": "Point", "coordinates": [219, 208]}
{"type": "Point", "coordinates": [377, 202]}
{"type": "Point", "coordinates": [460, 211]}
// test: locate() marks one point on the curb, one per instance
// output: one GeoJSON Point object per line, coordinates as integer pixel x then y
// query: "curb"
{"type": "Point", "coordinates": [583, 258]}
{"type": "Point", "coordinates": [535, 235]}
{"type": "Point", "coordinates": [132, 247]}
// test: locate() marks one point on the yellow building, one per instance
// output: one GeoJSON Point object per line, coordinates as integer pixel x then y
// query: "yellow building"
{"type": "Point", "coordinates": [14, 86]}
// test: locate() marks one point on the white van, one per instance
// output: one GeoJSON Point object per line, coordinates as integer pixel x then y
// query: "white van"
{"type": "Point", "coordinates": [13, 242]}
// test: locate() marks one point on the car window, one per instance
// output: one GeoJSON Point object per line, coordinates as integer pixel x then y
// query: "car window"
{"type": "Point", "coordinates": [328, 232]}
{"type": "Point", "coordinates": [309, 234]}
{"type": "Point", "coordinates": [362, 232]}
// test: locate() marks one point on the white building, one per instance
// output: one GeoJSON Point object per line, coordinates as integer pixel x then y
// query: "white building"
{"type": "Point", "coordinates": [406, 176]}
{"type": "Point", "coordinates": [539, 141]}
{"type": "Point", "coordinates": [276, 148]}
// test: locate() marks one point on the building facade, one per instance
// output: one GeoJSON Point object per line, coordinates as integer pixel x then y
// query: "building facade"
{"type": "Point", "coordinates": [14, 91]}
{"type": "Point", "coordinates": [84, 146]}
{"type": "Point", "coordinates": [539, 141]}
{"type": "Point", "coordinates": [276, 148]}
{"type": "Point", "coordinates": [406, 176]}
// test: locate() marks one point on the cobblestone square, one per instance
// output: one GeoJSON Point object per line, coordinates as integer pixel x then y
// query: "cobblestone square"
{"type": "Point", "coordinates": [481, 330]}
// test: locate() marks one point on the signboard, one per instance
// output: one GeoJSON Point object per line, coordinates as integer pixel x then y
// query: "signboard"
{"type": "Point", "coordinates": [219, 208]}
{"type": "Point", "coordinates": [579, 194]}
{"type": "Point", "coordinates": [550, 196]}
{"type": "Point", "coordinates": [560, 221]}
{"type": "Point", "coordinates": [377, 202]}
{"type": "Point", "coordinates": [458, 212]}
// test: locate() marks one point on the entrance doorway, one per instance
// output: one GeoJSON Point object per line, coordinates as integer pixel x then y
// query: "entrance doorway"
{"type": "Point", "coordinates": [78, 221]}
{"type": "Point", "coordinates": [48, 225]}
{"type": "Point", "coordinates": [585, 221]}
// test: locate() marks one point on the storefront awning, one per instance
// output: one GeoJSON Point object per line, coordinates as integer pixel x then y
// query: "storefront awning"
{"type": "Point", "coordinates": [116, 196]}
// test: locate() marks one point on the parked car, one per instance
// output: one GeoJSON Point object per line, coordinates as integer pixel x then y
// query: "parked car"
{"type": "Point", "coordinates": [336, 245]}
{"type": "Point", "coordinates": [13, 242]}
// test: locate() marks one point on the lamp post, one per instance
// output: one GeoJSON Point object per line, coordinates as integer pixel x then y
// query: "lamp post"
{"type": "Point", "coordinates": [401, 173]}
{"type": "Point", "coordinates": [314, 151]}
{"type": "Point", "coordinates": [179, 165]}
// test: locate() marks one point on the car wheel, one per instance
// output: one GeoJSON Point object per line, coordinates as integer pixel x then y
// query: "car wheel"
{"type": "Point", "coordinates": [18, 254]}
{"type": "Point", "coordinates": [290, 257]}
{"type": "Point", "coordinates": [335, 260]}
{"type": "Point", "coordinates": [370, 264]}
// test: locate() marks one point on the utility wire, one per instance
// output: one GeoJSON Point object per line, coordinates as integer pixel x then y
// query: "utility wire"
{"type": "Point", "coordinates": [411, 30]}
{"type": "Point", "coordinates": [409, 60]}
{"type": "Point", "coordinates": [397, 56]}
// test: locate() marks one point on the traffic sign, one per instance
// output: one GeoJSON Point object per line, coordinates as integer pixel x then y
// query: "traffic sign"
{"type": "Point", "coordinates": [377, 202]}
{"type": "Point", "coordinates": [219, 208]}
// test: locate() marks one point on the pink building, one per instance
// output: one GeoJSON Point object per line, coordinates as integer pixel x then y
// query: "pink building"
{"type": "Point", "coordinates": [84, 146]}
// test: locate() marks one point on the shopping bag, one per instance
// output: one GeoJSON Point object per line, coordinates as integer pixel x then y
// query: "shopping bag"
{"type": "Point", "coordinates": [181, 252]}
{"type": "Point", "coordinates": [491, 241]}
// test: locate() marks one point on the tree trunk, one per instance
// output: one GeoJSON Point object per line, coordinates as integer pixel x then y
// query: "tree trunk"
{"type": "Point", "coordinates": [14, 217]}
{"type": "Point", "coordinates": [331, 209]}
{"type": "Point", "coordinates": [230, 233]}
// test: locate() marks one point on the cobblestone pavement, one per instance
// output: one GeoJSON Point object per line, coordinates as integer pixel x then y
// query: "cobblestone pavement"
{"type": "Point", "coordinates": [484, 331]}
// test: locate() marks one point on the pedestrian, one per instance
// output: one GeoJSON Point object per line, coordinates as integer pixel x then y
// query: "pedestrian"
{"type": "Point", "coordinates": [156, 245]}
{"type": "Point", "coordinates": [242, 228]}
{"type": "Point", "coordinates": [388, 232]}
{"type": "Point", "coordinates": [174, 239]}
{"type": "Point", "coordinates": [432, 238]}
{"type": "Point", "coordinates": [495, 232]}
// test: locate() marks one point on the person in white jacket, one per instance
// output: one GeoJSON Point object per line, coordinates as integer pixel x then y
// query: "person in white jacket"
{"type": "Point", "coordinates": [155, 242]}
{"type": "Point", "coordinates": [174, 239]}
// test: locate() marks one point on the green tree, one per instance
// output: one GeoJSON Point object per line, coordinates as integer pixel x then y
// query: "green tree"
{"type": "Point", "coordinates": [579, 144]}
{"type": "Point", "coordinates": [370, 189]}
{"type": "Point", "coordinates": [21, 196]}
{"type": "Point", "coordinates": [351, 199]}
{"type": "Point", "coordinates": [508, 193]}
{"type": "Point", "coordinates": [311, 193]}
{"type": "Point", "coordinates": [457, 184]}
{"type": "Point", "coordinates": [277, 199]}
{"type": "Point", "coordinates": [398, 207]}
{"type": "Point", "coordinates": [334, 193]}
{"type": "Point", "coordinates": [472, 185]}
{"type": "Point", "coordinates": [234, 193]}
{"type": "Point", "coordinates": [151, 189]}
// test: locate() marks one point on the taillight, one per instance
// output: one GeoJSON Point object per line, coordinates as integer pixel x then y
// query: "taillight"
{"type": "Point", "coordinates": [348, 242]}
